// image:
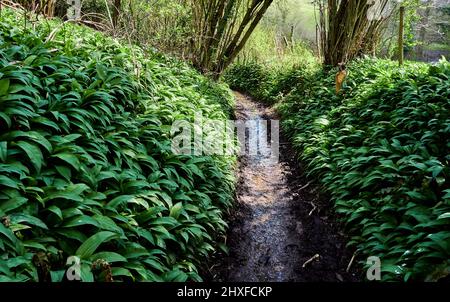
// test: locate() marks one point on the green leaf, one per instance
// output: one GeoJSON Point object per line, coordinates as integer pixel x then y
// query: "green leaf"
{"type": "Point", "coordinates": [149, 214]}
{"type": "Point", "coordinates": [415, 195]}
{"type": "Point", "coordinates": [16, 227]}
{"type": "Point", "coordinates": [35, 245]}
{"type": "Point", "coordinates": [176, 276]}
{"type": "Point", "coordinates": [166, 221]}
{"type": "Point", "coordinates": [196, 170]}
{"type": "Point", "coordinates": [33, 153]}
{"type": "Point", "coordinates": [80, 220]}
{"type": "Point", "coordinates": [106, 223]}
{"type": "Point", "coordinates": [445, 215]}
{"type": "Point", "coordinates": [28, 219]}
{"type": "Point", "coordinates": [46, 122]}
{"type": "Point", "coordinates": [101, 71]}
{"type": "Point", "coordinates": [17, 262]}
{"type": "Point", "coordinates": [6, 118]}
{"type": "Point", "coordinates": [176, 210]}
{"type": "Point", "coordinates": [12, 203]}
{"type": "Point", "coordinates": [92, 243]}
{"type": "Point", "coordinates": [4, 86]}
{"type": "Point", "coordinates": [29, 60]}
{"type": "Point", "coordinates": [8, 233]}
{"type": "Point", "coordinates": [86, 273]}
{"type": "Point", "coordinates": [3, 151]}
{"type": "Point", "coordinates": [34, 136]}
{"type": "Point", "coordinates": [57, 276]}
{"type": "Point", "coordinates": [442, 239]}
{"type": "Point", "coordinates": [155, 264]}
{"type": "Point", "coordinates": [9, 182]}
{"type": "Point", "coordinates": [146, 235]}
{"type": "Point", "coordinates": [4, 269]}
{"type": "Point", "coordinates": [72, 234]}
{"type": "Point", "coordinates": [436, 170]}
{"type": "Point", "coordinates": [64, 172]}
{"type": "Point", "coordinates": [64, 195]}
{"type": "Point", "coordinates": [70, 159]}
{"type": "Point", "coordinates": [139, 201]}
{"type": "Point", "coordinates": [118, 201]}
{"type": "Point", "coordinates": [391, 268]}
{"type": "Point", "coordinates": [71, 193]}
{"type": "Point", "coordinates": [57, 211]}
{"type": "Point", "coordinates": [120, 271]}
{"type": "Point", "coordinates": [224, 248]}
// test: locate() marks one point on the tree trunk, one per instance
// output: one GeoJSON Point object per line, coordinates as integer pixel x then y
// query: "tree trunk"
{"type": "Point", "coordinates": [400, 36]}
{"type": "Point", "coordinates": [349, 28]}
{"type": "Point", "coordinates": [116, 12]}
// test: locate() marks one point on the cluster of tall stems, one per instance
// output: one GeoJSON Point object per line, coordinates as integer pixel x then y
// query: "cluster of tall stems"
{"type": "Point", "coordinates": [348, 28]}
{"type": "Point", "coordinates": [222, 28]}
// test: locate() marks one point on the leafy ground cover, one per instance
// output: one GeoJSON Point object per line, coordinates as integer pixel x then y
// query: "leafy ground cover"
{"type": "Point", "coordinates": [381, 151]}
{"type": "Point", "coordinates": [86, 167]}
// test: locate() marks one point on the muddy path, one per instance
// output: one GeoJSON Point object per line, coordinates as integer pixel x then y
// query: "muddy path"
{"type": "Point", "coordinates": [282, 229]}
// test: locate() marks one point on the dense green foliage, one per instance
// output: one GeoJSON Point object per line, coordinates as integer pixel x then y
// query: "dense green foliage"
{"type": "Point", "coordinates": [381, 151]}
{"type": "Point", "coordinates": [264, 83]}
{"type": "Point", "coordinates": [253, 79]}
{"type": "Point", "coordinates": [85, 160]}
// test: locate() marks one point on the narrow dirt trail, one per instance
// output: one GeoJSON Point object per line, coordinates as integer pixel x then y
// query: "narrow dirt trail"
{"type": "Point", "coordinates": [279, 223]}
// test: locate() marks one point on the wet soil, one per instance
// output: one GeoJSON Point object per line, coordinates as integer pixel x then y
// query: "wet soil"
{"type": "Point", "coordinates": [282, 229]}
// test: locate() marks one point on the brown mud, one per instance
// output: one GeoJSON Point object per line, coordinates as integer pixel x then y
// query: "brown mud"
{"type": "Point", "coordinates": [282, 229]}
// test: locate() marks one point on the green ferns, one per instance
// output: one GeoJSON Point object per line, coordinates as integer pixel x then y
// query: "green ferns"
{"type": "Point", "coordinates": [85, 162]}
{"type": "Point", "coordinates": [381, 150]}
